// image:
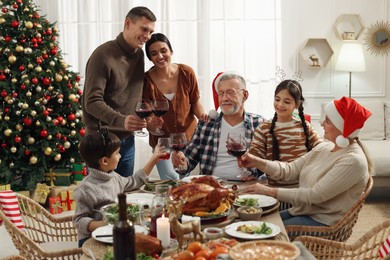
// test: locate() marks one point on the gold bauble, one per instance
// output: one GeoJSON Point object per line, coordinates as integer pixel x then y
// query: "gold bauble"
{"type": "Point", "coordinates": [12, 59]}
{"type": "Point", "coordinates": [2, 20]}
{"type": "Point", "coordinates": [19, 48]}
{"type": "Point", "coordinates": [13, 149]}
{"type": "Point", "coordinates": [66, 78]}
{"type": "Point", "coordinates": [72, 97]}
{"type": "Point", "coordinates": [29, 94]}
{"type": "Point", "coordinates": [63, 122]}
{"type": "Point", "coordinates": [7, 132]}
{"type": "Point", "coordinates": [19, 127]}
{"type": "Point", "coordinates": [47, 150]}
{"type": "Point", "coordinates": [14, 80]}
{"type": "Point", "coordinates": [33, 113]}
{"type": "Point", "coordinates": [10, 101]}
{"type": "Point", "coordinates": [6, 118]}
{"type": "Point", "coordinates": [73, 133]}
{"type": "Point", "coordinates": [38, 123]}
{"type": "Point", "coordinates": [31, 140]}
{"type": "Point", "coordinates": [25, 106]}
{"type": "Point", "coordinates": [49, 137]}
{"type": "Point", "coordinates": [57, 157]}
{"type": "Point", "coordinates": [11, 164]}
{"type": "Point", "coordinates": [67, 145]}
{"type": "Point", "coordinates": [29, 25]}
{"type": "Point", "coordinates": [30, 66]}
{"type": "Point", "coordinates": [58, 77]}
{"type": "Point", "coordinates": [38, 69]}
{"type": "Point", "coordinates": [33, 160]}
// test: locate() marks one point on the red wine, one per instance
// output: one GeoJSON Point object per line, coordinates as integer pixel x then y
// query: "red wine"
{"type": "Point", "coordinates": [166, 156]}
{"type": "Point", "coordinates": [124, 233]}
{"type": "Point", "coordinates": [237, 153]}
{"type": "Point", "coordinates": [159, 112]}
{"type": "Point", "coordinates": [143, 113]}
{"type": "Point", "coordinates": [178, 147]}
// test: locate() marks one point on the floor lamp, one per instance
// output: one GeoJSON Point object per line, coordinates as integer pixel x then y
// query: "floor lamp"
{"type": "Point", "coordinates": [351, 59]}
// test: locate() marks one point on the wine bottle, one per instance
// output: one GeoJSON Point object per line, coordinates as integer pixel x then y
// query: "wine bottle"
{"type": "Point", "coordinates": [123, 233]}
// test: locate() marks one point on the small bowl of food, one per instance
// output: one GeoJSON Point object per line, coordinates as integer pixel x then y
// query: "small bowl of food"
{"type": "Point", "coordinates": [249, 213]}
{"type": "Point", "coordinates": [134, 213]}
{"type": "Point", "coordinates": [212, 233]}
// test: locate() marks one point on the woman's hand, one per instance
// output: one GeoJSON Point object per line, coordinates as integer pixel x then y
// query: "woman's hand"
{"type": "Point", "coordinates": [154, 122]}
{"type": "Point", "coordinates": [257, 188]}
{"type": "Point", "coordinates": [178, 159]}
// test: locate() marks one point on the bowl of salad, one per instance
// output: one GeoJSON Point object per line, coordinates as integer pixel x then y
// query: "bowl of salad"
{"type": "Point", "coordinates": [134, 213]}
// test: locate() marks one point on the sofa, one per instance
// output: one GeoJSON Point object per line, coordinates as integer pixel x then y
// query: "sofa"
{"type": "Point", "coordinates": [375, 135]}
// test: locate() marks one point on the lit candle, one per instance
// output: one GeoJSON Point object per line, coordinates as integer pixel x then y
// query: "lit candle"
{"type": "Point", "coordinates": [163, 231]}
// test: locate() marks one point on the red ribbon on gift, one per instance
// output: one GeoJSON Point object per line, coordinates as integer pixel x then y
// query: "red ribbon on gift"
{"type": "Point", "coordinates": [55, 205]}
{"type": "Point", "coordinates": [67, 201]}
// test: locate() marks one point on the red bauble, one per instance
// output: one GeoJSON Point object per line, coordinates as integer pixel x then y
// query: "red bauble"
{"type": "Point", "coordinates": [7, 38]}
{"type": "Point", "coordinates": [53, 51]}
{"type": "Point", "coordinates": [23, 40]}
{"type": "Point", "coordinates": [17, 139]}
{"type": "Point", "coordinates": [82, 131]}
{"type": "Point", "coordinates": [80, 92]}
{"type": "Point", "coordinates": [34, 80]}
{"type": "Point", "coordinates": [26, 152]}
{"type": "Point", "coordinates": [49, 31]}
{"type": "Point", "coordinates": [4, 93]}
{"type": "Point", "coordinates": [21, 68]}
{"type": "Point", "coordinates": [14, 95]}
{"type": "Point", "coordinates": [6, 110]}
{"type": "Point", "coordinates": [64, 138]}
{"type": "Point", "coordinates": [45, 112]}
{"type": "Point", "coordinates": [45, 55]}
{"type": "Point", "coordinates": [19, 1]}
{"type": "Point", "coordinates": [55, 122]}
{"type": "Point", "coordinates": [2, 77]}
{"type": "Point", "coordinates": [46, 81]}
{"type": "Point", "coordinates": [15, 6]}
{"type": "Point", "coordinates": [39, 61]}
{"type": "Point", "coordinates": [3, 145]}
{"type": "Point", "coordinates": [27, 121]}
{"type": "Point", "coordinates": [78, 78]}
{"type": "Point", "coordinates": [60, 118]}
{"type": "Point", "coordinates": [35, 45]}
{"type": "Point", "coordinates": [34, 40]}
{"type": "Point", "coordinates": [4, 10]}
{"type": "Point", "coordinates": [58, 135]}
{"type": "Point", "coordinates": [71, 117]}
{"type": "Point", "coordinates": [14, 24]}
{"type": "Point", "coordinates": [22, 87]}
{"type": "Point", "coordinates": [36, 15]}
{"type": "Point", "coordinates": [44, 133]}
{"type": "Point", "coordinates": [39, 39]}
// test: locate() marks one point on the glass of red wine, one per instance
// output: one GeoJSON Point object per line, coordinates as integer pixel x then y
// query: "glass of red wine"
{"type": "Point", "coordinates": [237, 146]}
{"type": "Point", "coordinates": [143, 109]}
{"type": "Point", "coordinates": [159, 108]}
{"type": "Point", "coordinates": [178, 143]}
{"type": "Point", "coordinates": [165, 143]}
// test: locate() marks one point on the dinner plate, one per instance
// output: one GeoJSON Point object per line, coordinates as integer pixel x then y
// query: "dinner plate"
{"type": "Point", "coordinates": [139, 198]}
{"type": "Point", "coordinates": [189, 178]}
{"type": "Point", "coordinates": [107, 230]}
{"type": "Point", "coordinates": [263, 200]}
{"type": "Point", "coordinates": [231, 230]}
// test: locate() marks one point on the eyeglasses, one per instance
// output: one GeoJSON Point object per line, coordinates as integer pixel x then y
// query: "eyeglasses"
{"type": "Point", "coordinates": [229, 93]}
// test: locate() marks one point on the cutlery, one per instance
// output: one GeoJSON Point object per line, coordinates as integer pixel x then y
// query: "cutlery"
{"type": "Point", "coordinates": [108, 235]}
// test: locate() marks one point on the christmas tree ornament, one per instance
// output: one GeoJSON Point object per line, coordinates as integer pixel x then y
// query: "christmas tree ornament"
{"type": "Point", "coordinates": [6, 118]}
{"type": "Point", "coordinates": [52, 63]}
{"type": "Point", "coordinates": [58, 77]}
{"type": "Point", "coordinates": [14, 24]}
{"type": "Point", "coordinates": [19, 48]}
{"type": "Point", "coordinates": [11, 165]}
{"type": "Point", "coordinates": [28, 50]}
{"type": "Point", "coordinates": [47, 151]}
{"type": "Point", "coordinates": [10, 101]}
{"type": "Point", "coordinates": [13, 149]}
{"type": "Point", "coordinates": [14, 80]}
{"type": "Point", "coordinates": [71, 117]}
{"type": "Point", "coordinates": [67, 145]}
{"type": "Point", "coordinates": [44, 133]}
{"type": "Point", "coordinates": [25, 106]}
{"type": "Point", "coordinates": [49, 137]}
{"type": "Point", "coordinates": [72, 97]}
{"type": "Point", "coordinates": [63, 122]}
{"type": "Point", "coordinates": [7, 70]}
{"type": "Point", "coordinates": [33, 113]}
{"type": "Point", "coordinates": [48, 119]}
{"type": "Point", "coordinates": [26, 152]}
{"type": "Point", "coordinates": [27, 121]}
{"type": "Point", "coordinates": [57, 157]}
{"type": "Point", "coordinates": [17, 139]}
{"type": "Point", "coordinates": [72, 160]}
{"type": "Point", "coordinates": [33, 160]}
{"type": "Point", "coordinates": [28, 94]}
{"type": "Point", "coordinates": [73, 133]}
{"type": "Point", "coordinates": [60, 101]}
{"type": "Point", "coordinates": [34, 80]}
{"type": "Point", "coordinates": [38, 69]}
{"type": "Point", "coordinates": [18, 113]}
{"type": "Point", "coordinates": [38, 123]}
{"type": "Point", "coordinates": [19, 127]}
{"type": "Point", "coordinates": [2, 20]}
{"type": "Point", "coordinates": [7, 132]}
{"type": "Point", "coordinates": [28, 24]}
{"type": "Point", "coordinates": [31, 140]}
{"type": "Point", "coordinates": [38, 89]}
{"type": "Point", "coordinates": [12, 59]}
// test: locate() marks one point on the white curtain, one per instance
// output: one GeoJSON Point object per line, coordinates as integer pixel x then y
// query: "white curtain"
{"type": "Point", "coordinates": [209, 36]}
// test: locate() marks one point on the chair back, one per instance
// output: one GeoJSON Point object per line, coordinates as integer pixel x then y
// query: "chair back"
{"type": "Point", "coordinates": [42, 228]}
{"type": "Point", "coordinates": [342, 230]}
{"type": "Point", "coordinates": [366, 247]}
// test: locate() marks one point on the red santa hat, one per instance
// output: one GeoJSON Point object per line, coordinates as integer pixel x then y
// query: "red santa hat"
{"type": "Point", "coordinates": [348, 116]}
{"type": "Point", "coordinates": [215, 89]}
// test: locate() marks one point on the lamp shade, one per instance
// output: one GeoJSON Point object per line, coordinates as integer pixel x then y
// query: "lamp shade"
{"type": "Point", "coordinates": [351, 58]}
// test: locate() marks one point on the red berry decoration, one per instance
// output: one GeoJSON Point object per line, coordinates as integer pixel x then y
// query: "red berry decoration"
{"type": "Point", "coordinates": [34, 80]}
{"type": "Point", "coordinates": [17, 139]}
{"type": "Point", "coordinates": [71, 117]}
{"type": "Point", "coordinates": [14, 24]}
{"type": "Point", "coordinates": [44, 133]}
{"type": "Point", "coordinates": [46, 81]}
{"type": "Point", "coordinates": [27, 121]}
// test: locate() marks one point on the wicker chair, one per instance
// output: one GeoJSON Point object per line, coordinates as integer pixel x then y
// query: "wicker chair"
{"type": "Point", "coordinates": [366, 247]}
{"type": "Point", "coordinates": [45, 236]}
{"type": "Point", "coordinates": [341, 231]}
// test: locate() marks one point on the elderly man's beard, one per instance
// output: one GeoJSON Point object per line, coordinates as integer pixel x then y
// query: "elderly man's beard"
{"type": "Point", "coordinates": [231, 111]}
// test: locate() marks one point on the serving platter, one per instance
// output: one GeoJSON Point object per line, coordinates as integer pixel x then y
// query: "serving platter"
{"type": "Point", "coordinates": [189, 178]}
{"type": "Point", "coordinates": [107, 231]}
{"type": "Point", "coordinates": [231, 230]}
{"type": "Point", "coordinates": [262, 200]}
{"type": "Point", "coordinates": [144, 199]}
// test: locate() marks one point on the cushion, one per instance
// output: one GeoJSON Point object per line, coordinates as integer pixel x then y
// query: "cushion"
{"type": "Point", "coordinates": [387, 119]}
{"type": "Point", "coordinates": [379, 151]}
{"type": "Point", "coordinates": [374, 127]}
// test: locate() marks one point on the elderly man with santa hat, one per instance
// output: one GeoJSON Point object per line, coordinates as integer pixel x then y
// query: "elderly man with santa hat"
{"type": "Point", "coordinates": [331, 177]}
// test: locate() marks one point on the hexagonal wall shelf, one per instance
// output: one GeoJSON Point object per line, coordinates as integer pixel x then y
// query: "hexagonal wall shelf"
{"type": "Point", "coordinates": [349, 27]}
{"type": "Point", "coordinates": [316, 52]}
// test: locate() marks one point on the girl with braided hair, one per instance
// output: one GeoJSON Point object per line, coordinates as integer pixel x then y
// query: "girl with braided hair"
{"type": "Point", "coordinates": [285, 138]}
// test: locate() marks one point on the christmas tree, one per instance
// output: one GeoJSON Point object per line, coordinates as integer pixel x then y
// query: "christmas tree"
{"type": "Point", "coordinates": [40, 110]}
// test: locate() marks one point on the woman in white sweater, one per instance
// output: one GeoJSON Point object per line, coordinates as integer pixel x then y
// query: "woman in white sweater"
{"type": "Point", "coordinates": [331, 177]}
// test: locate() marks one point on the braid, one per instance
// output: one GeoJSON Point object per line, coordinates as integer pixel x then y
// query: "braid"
{"type": "Point", "coordinates": [275, 145]}
{"type": "Point", "coordinates": [305, 130]}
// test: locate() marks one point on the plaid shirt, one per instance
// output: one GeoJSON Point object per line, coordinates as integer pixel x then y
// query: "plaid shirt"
{"type": "Point", "coordinates": [203, 147]}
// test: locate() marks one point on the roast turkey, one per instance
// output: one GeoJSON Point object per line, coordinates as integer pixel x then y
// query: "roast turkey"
{"type": "Point", "coordinates": [202, 194]}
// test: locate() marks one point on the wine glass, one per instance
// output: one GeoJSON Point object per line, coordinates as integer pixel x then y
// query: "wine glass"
{"type": "Point", "coordinates": [159, 108]}
{"type": "Point", "coordinates": [165, 143]}
{"type": "Point", "coordinates": [143, 109]}
{"type": "Point", "coordinates": [237, 146]}
{"type": "Point", "coordinates": [178, 143]}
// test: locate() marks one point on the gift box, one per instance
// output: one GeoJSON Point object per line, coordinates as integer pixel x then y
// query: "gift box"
{"type": "Point", "coordinates": [4, 187]}
{"type": "Point", "coordinates": [41, 193]}
{"type": "Point", "coordinates": [59, 177]}
{"type": "Point", "coordinates": [55, 205]}
{"type": "Point", "coordinates": [56, 190]}
{"type": "Point", "coordinates": [67, 201]}
{"type": "Point", "coordinates": [78, 172]}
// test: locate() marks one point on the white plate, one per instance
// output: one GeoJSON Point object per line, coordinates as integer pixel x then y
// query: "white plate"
{"type": "Point", "coordinates": [189, 178]}
{"type": "Point", "coordinates": [263, 200]}
{"type": "Point", "coordinates": [139, 198]}
{"type": "Point", "coordinates": [107, 230]}
{"type": "Point", "coordinates": [231, 230]}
